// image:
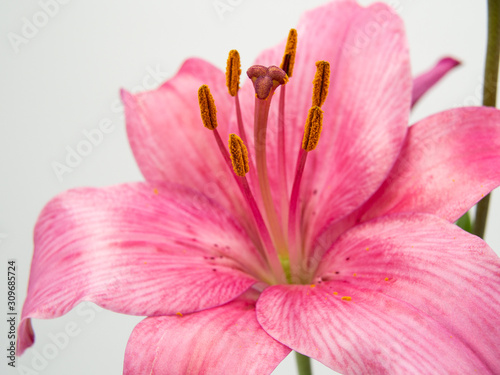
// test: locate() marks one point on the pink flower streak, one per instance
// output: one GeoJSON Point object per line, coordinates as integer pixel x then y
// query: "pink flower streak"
{"type": "Point", "coordinates": [388, 283]}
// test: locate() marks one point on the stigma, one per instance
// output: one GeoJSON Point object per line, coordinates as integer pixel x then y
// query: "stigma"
{"type": "Point", "coordinates": [266, 79]}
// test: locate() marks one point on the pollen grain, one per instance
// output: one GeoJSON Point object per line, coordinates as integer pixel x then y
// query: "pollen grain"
{"type": "Point", "coordinates": [290, 51]}
{"type": "Point", "coordinates": [321, 83]}
{"type": "Point", "coordinates": [239, 155]}
{"type": "Point", "coordinates": [208, 111]}
{"type": "Point", "coordinates": [233, 72]}
{"type": "Point", "coordinates": [312, 129]}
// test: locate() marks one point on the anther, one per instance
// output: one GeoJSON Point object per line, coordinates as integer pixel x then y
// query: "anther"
{"type": "Point", "coordinates": [312, 129]}
{"type": "Point", "coordinates": [265, 80]}
{"type": "Point", "coordinates": [233, 72]}
{"type": "Point", "coordinates": [290, 51]}
{"type": "Point", "coordinates": [207, 107]}
{"type": "Point", "coordinates": [320, 83]}
{"type": "Point", "coordinates": [239, 155]}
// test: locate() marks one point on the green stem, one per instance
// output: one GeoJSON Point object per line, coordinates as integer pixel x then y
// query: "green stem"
{"type": "Point", "coordinates": [489, 93]}
{"type": "Point", "coordinates": [303, 364]}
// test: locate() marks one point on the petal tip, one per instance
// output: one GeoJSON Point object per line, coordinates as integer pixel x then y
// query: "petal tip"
{"type": "Point", "coordinates": [26, 336]}
{"type": "Point", "coordinates": [450, 61]}
{"type": "Point", "coordinates": [127, 97]}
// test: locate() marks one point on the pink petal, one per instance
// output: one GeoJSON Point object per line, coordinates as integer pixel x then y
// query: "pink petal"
{"type": "Point", "coordinates": [425, 299]}
{"type": "Point", "coordinates": [169, 140]}
{"type": "Point", "coordinates": [449, 162]}
{"type": "Point", "coordinates": [366, 112]}
{"type": "Point", "coordinates": [223, 340]}
{"type": "Point", "coordinates": [136, 250]}
{"type": "Point", "coordinates": [423, 82]}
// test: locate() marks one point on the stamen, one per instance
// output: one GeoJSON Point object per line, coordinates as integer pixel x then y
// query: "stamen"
{"type": "Point", "coordinates": [233, 72]}
{"type": "Point", "coordinates": [282, 178]}
{"type": "Point", "coordinates": [312, 129]}
{"type": "Point", "coordinates": [239, 155]}
{"type": "Point", "coordinates": [208, 113]}
{"type": "Point", "coordinates": [294, 237]}
{"type": "Point", "coordinates": [287, 65]}
{"type": "Point", "coordinates": [290, 51]}
{"type": "Point", "coordinates": [239, 158]}
{"type": "Point", "coordinates": [207, 107]}
{"type": "Point", "coordinates": [321, 82]}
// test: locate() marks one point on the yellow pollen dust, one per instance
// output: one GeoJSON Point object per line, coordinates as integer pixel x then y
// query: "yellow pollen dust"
{"type": "Point", "coordinates": [239, 155]}
{"type": "Point", "coordinates": [346, 298]}
{"type": "Point", "coordinates": [335, 293]}
{"type": "Point", "coordinates": [312, 129]}
{"type": "Point", "coordinates": [233, 72]}
{"type": "Point", "coordinates": [367, 248]}
{"type": "Point", "coordinates": [313, 285]}
{"type": "Point", "coordinates": [386, 279]}
{"type": "Point", "coordinates": [155, 190]}
{"type": "Point", "coordinates": [208, 111]}
{"type": "Point", "coordinates": [355, 274]}
{"type": "Point", "coordinates": [320, 83]}
{"type": "Point", "coordinates": [179, 314]}
{"type": "Point", "coordinates": [290, 51]}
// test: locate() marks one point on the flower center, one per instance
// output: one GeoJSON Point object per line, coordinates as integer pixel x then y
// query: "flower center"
{"type": "Point", "coordinates": [278, 231]}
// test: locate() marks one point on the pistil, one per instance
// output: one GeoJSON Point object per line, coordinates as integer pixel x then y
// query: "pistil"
{"type": "Point", "coordinates": [265, 81]}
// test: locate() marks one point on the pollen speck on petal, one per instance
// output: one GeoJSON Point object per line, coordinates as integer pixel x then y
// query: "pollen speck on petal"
{"type": "Point", "coordinates": [346, 298]}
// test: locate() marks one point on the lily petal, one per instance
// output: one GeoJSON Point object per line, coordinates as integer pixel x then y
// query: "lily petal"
{"type": "Point", "coordinates": [366, 114]}
{"type": "Point", "coordinates": [366, 111]}
{"type": "Point", "coordinates": [423, 82]}
{"type": "Point", "coordinates": [424, 298]}
{"type": "Point", "coordinates": [137, 250]}
{"type": "Point", "coordinates": [449, 161]}
{"type": "Point", "coordinates": [226, 339]}
{"type": "Point", "coordinates": [168, 138]}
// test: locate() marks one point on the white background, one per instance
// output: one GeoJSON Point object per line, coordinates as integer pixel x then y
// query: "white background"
{"type": "Point", "coordinates": [66, 79]}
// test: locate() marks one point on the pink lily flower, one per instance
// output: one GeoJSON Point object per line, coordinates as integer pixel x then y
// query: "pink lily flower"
{"type": "Point", "coordinates": [371, 276]}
